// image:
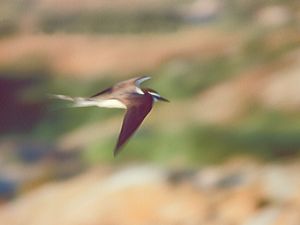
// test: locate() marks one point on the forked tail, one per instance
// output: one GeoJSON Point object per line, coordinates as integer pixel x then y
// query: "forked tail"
{"type": "Point", "coordinates": [77, 101]}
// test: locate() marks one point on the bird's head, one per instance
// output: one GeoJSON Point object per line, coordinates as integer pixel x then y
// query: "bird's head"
{"type": "Point", "coordinates": [156, 97]}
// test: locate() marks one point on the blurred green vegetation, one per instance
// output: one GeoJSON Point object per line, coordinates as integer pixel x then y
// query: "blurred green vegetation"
{"type": "Point", "coordinates": [112, 22]}
{"type": "Point", "coordinates": [262, 132]}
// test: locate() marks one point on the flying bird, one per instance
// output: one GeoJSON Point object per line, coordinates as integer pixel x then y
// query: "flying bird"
{"type": "Point", "coordinates": [127, 95]}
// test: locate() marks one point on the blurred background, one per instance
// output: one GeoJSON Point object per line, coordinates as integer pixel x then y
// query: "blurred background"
{"type": "Point", "coordinates": [224, 151]}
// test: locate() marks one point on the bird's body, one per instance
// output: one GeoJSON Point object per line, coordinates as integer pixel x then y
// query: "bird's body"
{"type": "Point", "coordinates": [125, 95]}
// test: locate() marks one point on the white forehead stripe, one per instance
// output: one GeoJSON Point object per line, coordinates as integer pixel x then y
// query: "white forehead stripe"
{"type": "Point", "coordinates": [154, 94]}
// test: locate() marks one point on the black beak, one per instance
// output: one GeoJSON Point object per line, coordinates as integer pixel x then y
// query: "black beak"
{"type": "Point", "coordinates": [162, 99]}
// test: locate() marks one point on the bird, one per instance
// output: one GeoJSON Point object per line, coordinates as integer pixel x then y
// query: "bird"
{"type": "Point", "coordinates": [126, 95]}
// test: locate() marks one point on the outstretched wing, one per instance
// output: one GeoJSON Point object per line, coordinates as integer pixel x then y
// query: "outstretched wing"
{"type": "Point", "coordinates": [140, 80]}
{"type": "Point", "coordinates": [135, 115]}
{"type": "Point", "coordinates": [131, 85]}
{"type": "Point", "coordinates": [106, 91]}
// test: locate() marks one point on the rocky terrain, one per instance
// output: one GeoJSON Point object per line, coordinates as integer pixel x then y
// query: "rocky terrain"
{"type": "Point", "coordinates": [239, 192]}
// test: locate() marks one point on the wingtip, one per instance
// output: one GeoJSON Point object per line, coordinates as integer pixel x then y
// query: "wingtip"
{"type": "Point", "coordinates": [141, 79]}
{"type": "Point", "coordinates": [61, 97]}
{"type": "Point", "coordinates": [52, 96]}
{"type": "Point", "coordinates": [116, 152]}
{"type": "Point", "coordinates": [147, 77]}
{"type": "Point", "coordinates": [118, 148]}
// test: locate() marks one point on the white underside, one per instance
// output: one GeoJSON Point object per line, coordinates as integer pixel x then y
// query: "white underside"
{"type": "Point", "coordinates": [110, 103]}
{"type": "Point", "coordinates": [82, 102]}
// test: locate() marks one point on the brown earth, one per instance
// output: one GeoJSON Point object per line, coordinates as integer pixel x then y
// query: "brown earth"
{"type": "Point", "coordinates": [89, 56]}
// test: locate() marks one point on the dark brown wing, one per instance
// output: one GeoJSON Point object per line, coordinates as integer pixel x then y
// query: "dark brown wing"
{"type": "Point", "coordinates": [107, 90]}
{"type": "Point", "coordinates": [135, 115]}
